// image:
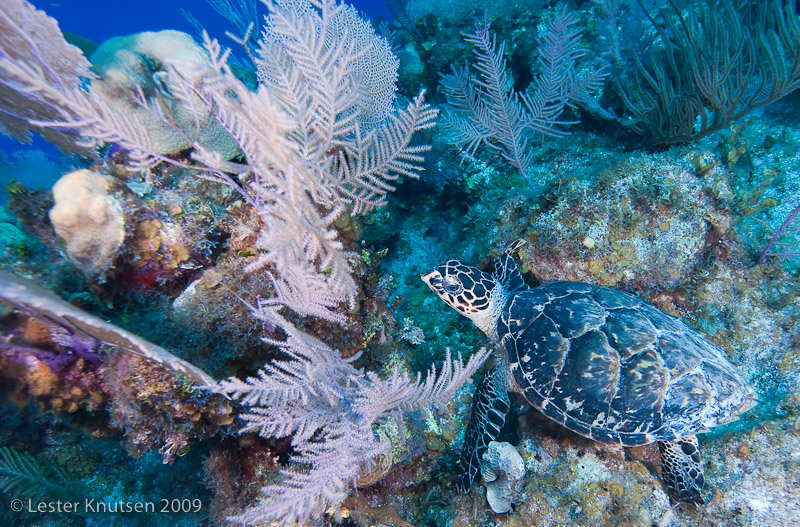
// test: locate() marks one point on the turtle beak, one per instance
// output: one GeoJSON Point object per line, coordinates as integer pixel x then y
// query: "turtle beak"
{"type": "Point", "coordinates": [431, 277]}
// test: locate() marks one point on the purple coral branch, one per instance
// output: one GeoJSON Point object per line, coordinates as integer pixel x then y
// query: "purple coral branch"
{"type": "Point", "coordinates": [34, 49]}
{"type": "Point", "coordinates": [785, 228]}
{"type": "Point", "coordinates": [28, 93]}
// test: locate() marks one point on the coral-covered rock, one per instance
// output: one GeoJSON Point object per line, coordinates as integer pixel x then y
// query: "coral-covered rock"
{"type": "Point", "coordinates": [41, 362]}
{"type": "Point", "coordinates": [646, 222]}
{"type": "Point", "coordinates": [157, 409]}
{"type": "Point", "coordinates": [502, 469]}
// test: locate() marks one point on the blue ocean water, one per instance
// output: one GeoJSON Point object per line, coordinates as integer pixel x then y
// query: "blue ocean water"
{"type": "Point", "coordinates": [99, 21]}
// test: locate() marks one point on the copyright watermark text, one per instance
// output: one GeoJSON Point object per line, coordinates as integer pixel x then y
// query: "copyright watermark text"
{"type": "Point", "coordinates": [92, 506]}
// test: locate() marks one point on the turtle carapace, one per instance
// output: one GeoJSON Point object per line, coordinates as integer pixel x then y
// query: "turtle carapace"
{"type": "Point", "coordinates": [600, 361]}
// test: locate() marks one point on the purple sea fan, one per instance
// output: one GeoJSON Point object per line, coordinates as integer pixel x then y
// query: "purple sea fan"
{"type": "Point", "coordinates": [330, 410]}
{"type": "Point", "coordinates": [783, 243]}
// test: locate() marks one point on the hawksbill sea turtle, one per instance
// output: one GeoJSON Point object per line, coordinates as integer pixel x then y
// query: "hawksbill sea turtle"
{"type": "Point", "coordinates": [601, 362]}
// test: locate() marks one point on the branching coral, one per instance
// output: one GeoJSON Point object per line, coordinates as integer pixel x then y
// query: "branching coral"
{"type": "Point", "coordinates": [711, 64]}
{"type": "Point", "coordinates": [31, 44]}
{"type": "Point", "coordinates": [330, 410]}
{"type": "Point", "coordinates": [488, 111]}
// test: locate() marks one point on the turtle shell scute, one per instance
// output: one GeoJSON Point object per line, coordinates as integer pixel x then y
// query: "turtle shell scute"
{"type": "Point", "coordinates": [611, 367]}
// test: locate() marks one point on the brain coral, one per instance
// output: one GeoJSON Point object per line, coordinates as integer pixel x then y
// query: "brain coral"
{"type": "Point", "coordinates": [88, 219]}
{"type": "Point", "coordinates": [129, 63]}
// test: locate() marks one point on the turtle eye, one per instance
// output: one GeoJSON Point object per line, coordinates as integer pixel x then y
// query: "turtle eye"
{"type": "Point", "coordinates": [452, 285]}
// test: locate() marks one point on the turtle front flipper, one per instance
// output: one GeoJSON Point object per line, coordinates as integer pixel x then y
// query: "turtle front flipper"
{"type": "Point", "coordinates": [682, 469]}
{"type": "Point", "coordinates": [490, 405]}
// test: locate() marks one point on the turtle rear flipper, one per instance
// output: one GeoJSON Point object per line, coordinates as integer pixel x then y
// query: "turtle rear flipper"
{"type": "Point", "coordinates": [490, 405]}
{"type": "Point", "coordinates": [682, 469]}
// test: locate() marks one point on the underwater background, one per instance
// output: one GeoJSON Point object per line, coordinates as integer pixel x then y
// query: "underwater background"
{"type": "Point", "coordinates": [210, 297]}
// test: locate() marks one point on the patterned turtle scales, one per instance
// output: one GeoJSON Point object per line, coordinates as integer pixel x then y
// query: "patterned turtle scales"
{"type": "Point", "coordinates": [601, 362]}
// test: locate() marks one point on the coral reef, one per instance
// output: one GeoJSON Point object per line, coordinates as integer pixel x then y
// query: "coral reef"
{"type": "Point", "coordinates": [156, 410]}
{"type": "Point", "coordinates": [69, 361]}
{"type": "Point", "coordinates": [268, 216]}
{"type": "Point", "coordinates": [749, 310]}
{"type": "Point", "coordinates": [653, 222]}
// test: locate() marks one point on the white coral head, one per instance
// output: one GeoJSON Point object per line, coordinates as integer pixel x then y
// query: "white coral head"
{"type": "Point", "coordinates": [502, 469]}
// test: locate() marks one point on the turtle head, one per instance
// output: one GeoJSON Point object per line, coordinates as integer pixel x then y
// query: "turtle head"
{"type": "Point", "coordinates": [474, 293]}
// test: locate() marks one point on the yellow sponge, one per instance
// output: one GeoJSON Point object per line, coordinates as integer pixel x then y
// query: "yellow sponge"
{"type": "Point", "coordinates": [88, 219]}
